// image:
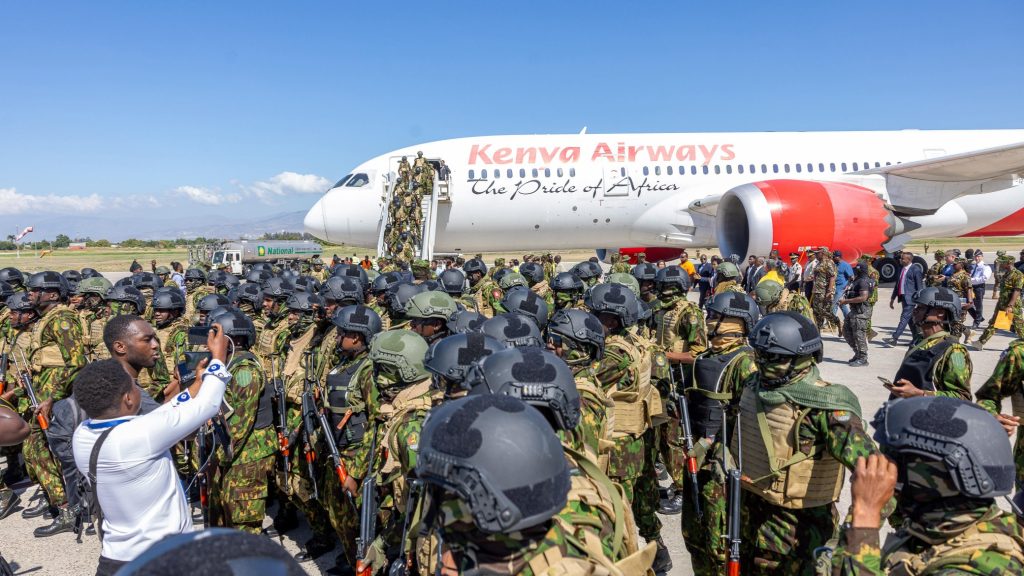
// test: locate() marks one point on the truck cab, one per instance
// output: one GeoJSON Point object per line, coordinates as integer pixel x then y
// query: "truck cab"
{"type": "Point", "coordinates": [232, 257]}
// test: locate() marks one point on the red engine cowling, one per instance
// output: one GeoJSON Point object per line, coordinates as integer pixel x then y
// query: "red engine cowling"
{"type": "Point", "coordinates": [793, 215]}
{"type": "Point", "coordinates": [651, 255]}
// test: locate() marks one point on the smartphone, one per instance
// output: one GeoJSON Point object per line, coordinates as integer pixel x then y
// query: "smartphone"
{"type": "Point", "coordinates": [187, 369]}
{"type": "Point", "coordinates": [885, 382]}
{"type": "Point", "coordinates": [197, 336]}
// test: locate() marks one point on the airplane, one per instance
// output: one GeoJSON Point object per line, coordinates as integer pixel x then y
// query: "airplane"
{"type": "Point", "coordinates": [659, 194]}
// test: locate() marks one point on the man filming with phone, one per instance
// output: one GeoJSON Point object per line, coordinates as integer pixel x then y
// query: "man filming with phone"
{"type": "Point", "coordinates": [127, 456]}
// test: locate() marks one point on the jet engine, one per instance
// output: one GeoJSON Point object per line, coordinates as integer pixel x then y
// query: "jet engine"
{"type": "Point", "coordinates": [794, 215]}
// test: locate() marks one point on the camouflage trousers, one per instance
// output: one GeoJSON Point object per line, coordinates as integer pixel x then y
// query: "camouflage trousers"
{"type": "Point", "coordinates": [705, 537]}
{"type": "Point", "coordinates": [855, 332]}
{"type": "Point", "coordinates": [238, 495]}
{"type": "Point", "coordinates": [631, 464]}
{"type": "Point", "coordinates": [821, 305]}
{"type": "Point", "coordinates": [43, 467]}
{"type": "Point", "coordinates": [299, 489]}
{"type": "Point", "coordinates": [671, 450]}
{"type": "Point", "coordinates": [343, 514]}
{"type": "Point", "coordinates": [1017, 327]}
{"type": "Point", "coordinates": [958, 329]}
{"type": "Point", "coordinates": [778, 540]}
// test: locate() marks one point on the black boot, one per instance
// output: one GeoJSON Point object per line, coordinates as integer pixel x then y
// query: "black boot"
{"type": "Point", "coordinates": [662, 473]}
{"type": "Point", "coordinates": [662, 559]}
{"type": "Point", "coordinates": [64, 522]}
{"type": "Point", "coordinates": [286, 519]}
{"type": "Point", "coordinates": [341, 567]}
{"type": "Point", "coordinates": [671, 506]}
{"type": "Point", "coordinates": [313, 550]}
{"type": "Point", "coordinates": [15, 472]}
{"type": "Point", "coordinates": [9, 500]}
{"type": "Point", "coordinates": [41, 508]}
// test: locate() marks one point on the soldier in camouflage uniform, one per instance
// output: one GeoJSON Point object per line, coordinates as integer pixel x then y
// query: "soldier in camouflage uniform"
{"type": "Point", "coordinates": [521, 535]}
{"type": "Point", "coordinates": [163, 273]}
{"type": "Point", "coordinates": [428, 314]}
{"type": "Point", "coordinates": [171, 326]}
{"type": "Point", "coordinates": [275, 293]}
{"type": "Point", "coordinates": [318, 271]}
{"type": "Point", "coordinates": [589, 272]}
{"type": "Point", "coordinates": [13, 277]}
{"type": "Point", "coordinates": [855, 330]}
{"type": "Point", "coordinates": [960, 284]}
{"type": "Point", "coordinates": [790, 510]}
{"type": "Point", "coordinates": [55, 354]}
{"type": "Point", "coordinates": [93, 314]}
{"type": "Point", "coordinates": [1007, 381]}
{"type": "Point", "coordinates": [726, 275]}
{"type": "Point", "coordinates": [534, 274]}
{"type": "Point", "coordinates": [482, 288]}
{"type": "Point", "coordinates": [567, 291]}
{"type": "Point", "coordinates": [934, 276]}
{"type": "Point", "coordinates": [953, 523]}
{"type": "Point", "coordinates": [238, 489]}
{"type": "Point", "coordinates": [713, 384]}
{"type": "Point", "coordinates": [873, 298]}
{"type": "Point", "coordinates": [1010, 286]}
{"type": "Point", "coordinates": [625, 375]}
{"type": "Point", "coordinates": [16, 340]}
{"type": "Point", "coordinates": [678, 329]}
{"type": "Point", "coordinates": [773, 297]}
{"type": "Point", "coordinates": [195, 288]}
{"type": "Point", "coordinates": [618, 265]}
{"type": "Point", "coordinates": [823, 291]}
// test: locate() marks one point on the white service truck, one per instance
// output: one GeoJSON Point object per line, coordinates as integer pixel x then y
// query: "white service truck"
{"type": "Point", "coordinates": [241, 254]}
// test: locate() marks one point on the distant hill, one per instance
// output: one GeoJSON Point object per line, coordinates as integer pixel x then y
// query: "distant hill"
{"type": "Point", "coordinates": [206, 225]}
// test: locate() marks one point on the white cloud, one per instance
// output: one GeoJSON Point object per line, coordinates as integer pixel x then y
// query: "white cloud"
{"type": "Point", "coordinates": [288, 183]}
{"type": "Point", "coordinates": [11, 202]}
{"type": "Point", "coordinates": [208, 196]}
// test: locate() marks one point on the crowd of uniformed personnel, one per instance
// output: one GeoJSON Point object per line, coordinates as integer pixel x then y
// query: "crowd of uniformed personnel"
{"type": "Point", "coordinates": [500, 420]}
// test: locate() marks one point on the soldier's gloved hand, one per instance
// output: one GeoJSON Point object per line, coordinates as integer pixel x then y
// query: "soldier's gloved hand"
{"type": "Point", "coordinates": [376, 557]}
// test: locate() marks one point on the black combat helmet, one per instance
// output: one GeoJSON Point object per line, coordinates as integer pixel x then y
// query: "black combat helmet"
{"type": "Point", "coordinates": [195, 274]}
{"type": "Point", "coordinates": [19, 302]}
{"type": "Point", "coordinates": [89, 273]}
{"type": "Point", "coordinates": [12, 276]}
{"type": "Point", "coordinates": [567, 282]}
{"type": "Point", "coordinates": [358, 319]}
{"type": "Point", "coordinates": [248, 292]}
{"type": "Point", "coordinates": [940, 297]}
{"type": "Point", "coordinates": [342, 289]}
{"type": "Point", "coordinates": [385, 281]}
{"type": "Point", "coordinates": [735, 305]}
{"type": "Point", "coordinates": [73, 277]}
{"type": "Point", "coordinates": [352, 271]}
{"type": "Point", "coordinates": [235, 323]}
{"type": "Point", "coordinates": [527, 303]}
{"type": "Point", "coordinates": [168, 299]}
{"type": "Point", "coordinates": [465, 321]}
{"type": "Point", "coordinates": [258, 276]}
{"type": "Point", "coordinates": [465, 448]}
{"type": "Point", "coordinates": [48, 280]}
{"type": "Point", "coordinates": [5, 291]}
{"type": "Point", "coordinates": [532, 271]}
{"type": "Point", "coordinates": [307, 284]}
{"type": "Point", "coordinates": [645, 271]}
{"type": "Point", "coordinates": [129, 294]}
{"type": "Point", "coordinates": [501, 273]}
{"type": "Point", "coordinates": [277, 288]}
{"type": "Point", "coordinates": [305, 302]}
{"type": "Point", "coordinates": [450, 358]}
{"type": "Point", "coordinates": [513, 330]}
{"type": "Point", "coordinates": [534, 376]}
{"type": "Point", "coordinates": [614, 299]}
{"type": "Point", "coordinates": [452, 281]}
{"type": "Point", "coordinates": [144, 280]}
{"type": "Point", "coordinates": [588, 271]}
{"type": "Point", "coordinates": [673, 276]}
{"type": "Point", "coordinates": [474, 265]}
{"type": "Point", "coordinates": [399, 296]}
{"type": "Point", "coordinates": [967, 440]}
{"type": "Point", "coordinates": [211, 301]}
{"type": "Point", "coordinates": [580, 327]}
{"type": "Point", "coordinates": [786, 334]}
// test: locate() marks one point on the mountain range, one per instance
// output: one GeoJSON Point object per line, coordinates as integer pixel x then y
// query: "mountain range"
{"type": "Point", "coordinates": [118, 229]}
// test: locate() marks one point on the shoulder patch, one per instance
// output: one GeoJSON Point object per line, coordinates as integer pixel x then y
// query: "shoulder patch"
{"type": "Point", "coordinates": [413, 441]}
{"type": "Point", "coordinates": [496, 293]}
{"type": "Point", "coordinates": [659, 359]}
{"type": "Point", "coordinates": [841, 415]}
{"type": "Point", "coordinates": [65, 325]}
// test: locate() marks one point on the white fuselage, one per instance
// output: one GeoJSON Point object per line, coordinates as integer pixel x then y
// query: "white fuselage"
{"type": "Point", "coordinates": [616, 190]}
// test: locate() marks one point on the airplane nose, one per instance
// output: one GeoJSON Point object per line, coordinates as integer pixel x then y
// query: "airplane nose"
{"type": "Point", "coordinates": [314, 221]}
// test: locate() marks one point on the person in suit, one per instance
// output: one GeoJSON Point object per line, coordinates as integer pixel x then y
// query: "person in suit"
{"type": "Point", "coordinates": [909, 281]}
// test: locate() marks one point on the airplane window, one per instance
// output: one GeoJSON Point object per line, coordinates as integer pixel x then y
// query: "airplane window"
{"type": "Point", "coordinates": [534, 172]}
{"type": "Point", "coordinates": [522, 172]}
{"type": "Point", "coordinates": [775, 168]}
{"type": "Point", "coordinates": [483, 173]}
{"type": "Point", "coordinates": [728, 168]}
{"type": "Point", "coordinates": [855, 168]}
{"type": "Point", "coordinates": [764, 169]}
{"type": "Point", "coordinates": [646, 171]}
{"type": "Point", "coordinates": [668, 170]}
{"type": "Point", "coordinates": [559, 172]}
{"type": "Point", "coordinates": [705, 168]}
{"type": "Point", "coordinates": [718, 169]}
{"type": "Point", "coordinates": [740, 168]}
{"type": "Point", "coordinates": [878, 164]}
{"type": "Point", "coordinates": [821, 166]}
{"type": "Point", "coordinates": [341, 182]}
{"type": "Point", "coordinates": [810, 167]}
{"type": "Point", "coordinates": [831, 166]}
{"type": "Point", "coordinates": [572, 171]}
{"type": "Point", "coordinates": [547, 172]}
{"type": "Point", "coordinates": [785, 168]}
{"type": "Point", "coordinates": [693, 170]}
{"type": "Point", "coordinates": [358, 181]}
{"type": "Point", "coordinates": [471, 175]}
{"type": "Point", "coordinates": [682, 170]}
{"type": "Point", "coordinates": [797, 166]}
{"type": "Point", "coordinates": [657, 170]}
{"type": "Point", "coordinates": [753, 169]}
{"type": "Point", "coordinates": [888, 163]}
{"type": "Point", "coordinates": [843, 166]}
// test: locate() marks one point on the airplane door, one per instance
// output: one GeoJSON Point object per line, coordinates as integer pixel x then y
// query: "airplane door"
{"type": "Point", "coordinates": [616, 182]}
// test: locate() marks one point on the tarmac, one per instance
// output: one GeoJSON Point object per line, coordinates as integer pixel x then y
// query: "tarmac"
{"type": "Point", "coordinates": [60, 555]}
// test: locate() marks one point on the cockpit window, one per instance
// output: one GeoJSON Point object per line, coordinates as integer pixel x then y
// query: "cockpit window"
{"type": "Point", "coordinates": [358, 180]}
{"type": "Point", "coordinates": [341, 182]}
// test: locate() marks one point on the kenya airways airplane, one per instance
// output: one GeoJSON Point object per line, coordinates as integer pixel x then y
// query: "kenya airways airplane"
{"type": "Point", "coordinates": [746, 193]}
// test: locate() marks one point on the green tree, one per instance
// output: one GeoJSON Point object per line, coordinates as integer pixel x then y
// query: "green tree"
{"type": "Point", "coordinates": [62, 241]}
{"type": "Point", "coordinates": [101, 243]}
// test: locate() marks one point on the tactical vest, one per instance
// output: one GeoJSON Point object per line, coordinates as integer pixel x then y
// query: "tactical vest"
{"type": "Point", "coordinates": [779, 472]}
{"type": "Point", "coordinates": [413, 398]}
{"type": "Point", "coordinates": [704, 391]}
{"type": "Point", "coordinates": [265, 408]}
{"type": "Point", "coordinates": [49, 356]}
{"type": "Point", "coordinates": [919, 365]}
{"type": "Point", "coordinates": [666, 332]}
{"type": "Point", "coordinates": [164, 335]}
{"type": "Point", "coordinates": [636, 407]}
{"type": "Point", "coordinates": [294, 365]}
{"type": "Point", "coordinates": [338, 404]}
{"type": "Point", "coordinates": [593, 393]}
{"type": "Point", "coordinates": [94, 345]}
{"type": "Point", "coordinates": [265, 344]}
{"type": "Point", "coordinates": [482, 305]}
{"type": "Point", "coordinates": [957, 551]}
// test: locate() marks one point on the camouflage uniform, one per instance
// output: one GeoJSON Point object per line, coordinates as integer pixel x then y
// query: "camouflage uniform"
{"type": "Point", "coordinates": [631, 462]}
{"type": "Point", "coordinates": [960, 283]}
{"type": "Point", "coordinates": [935, 277]}
{"type": "Point", "coordinates": [678, 327]}
{"type": "Point", "coordinates": [192, 302]}
{"type": "Point", "coordinates": [238, 490]}
{"type": "Point", "coordinates": [981, 540]}
{"type": "Point", "coordinates": [780, 538]}
{"type": "Point", "coordinates": [793, 302]}
{"type": "Point", "coordinates": [618, 266]}
{"type": "Point", "coordinates": [93, 322]}
{"type": "Point", "coordinates": [951, 373]}
{"type": "Point", "coordinates": [728, 286]}
{"type": "Point", "coordinates": [174, 343]}
{"type": "Point", "coordinates": [55, 354]}
{"type": "Point", "coordinates": [1007, 381]}
{"type": "Point", "coordinates": [487, 296]}
{"type": "Point", "coordinates": [543, 290]}
{"type": "Point", "coordinates": [705, 538]}
{"type": "Point", "coordinates": [1011, 281]}
{"type": "Point", "coordinates": [873, 297]}
{"type": "Point", "coordinates": [821, 296]}
{"type": "Point", "coordinates": [549, 268]}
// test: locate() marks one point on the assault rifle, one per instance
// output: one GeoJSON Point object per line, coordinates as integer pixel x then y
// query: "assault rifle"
{"type": "Point", "coordinates": [203, 473]}
{"type": "Point", "coordinates": [403, 563]}
{"type": "Point", "coordinates": [26, 382]}
{"type": "Point", "coordinates": [687, 437]}
{"type": "Point", "coordinates": [281, 414]}
{"type": "Point", "coordinates": [332, 446]}
{"type": "Point", "coordinates": [367, 514]}
{"type": "Point", "coordinates": [732, 490]}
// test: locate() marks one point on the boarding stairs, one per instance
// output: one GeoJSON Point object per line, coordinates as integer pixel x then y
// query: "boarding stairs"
{"type": "Point", "coordinates": [428, 208]}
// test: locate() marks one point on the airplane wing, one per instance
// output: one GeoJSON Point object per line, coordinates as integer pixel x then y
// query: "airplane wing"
{"type": "Point", "coordinates": [917, 188]}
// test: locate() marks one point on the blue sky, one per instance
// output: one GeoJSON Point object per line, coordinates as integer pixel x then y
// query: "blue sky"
{"type": "Point", "coordinates": [155, 112]}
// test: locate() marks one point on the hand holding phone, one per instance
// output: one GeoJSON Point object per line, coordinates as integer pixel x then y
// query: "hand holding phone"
{"type": "Point", "coordinates": [885, 382]}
